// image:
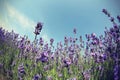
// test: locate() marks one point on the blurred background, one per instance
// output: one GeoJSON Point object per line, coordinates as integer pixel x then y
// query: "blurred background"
{"type": "Point", "coordinates": [59, 17]}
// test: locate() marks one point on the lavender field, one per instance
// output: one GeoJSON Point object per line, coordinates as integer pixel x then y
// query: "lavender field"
{"type": "Point", "coordinates": [96, 58]}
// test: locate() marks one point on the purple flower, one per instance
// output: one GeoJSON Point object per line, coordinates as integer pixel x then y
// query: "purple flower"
{"type": "Point", "coordinates": [88, 37]}
{"type": "Point", "coordinates": [80, 38]}
{"type": "Point", "coordinates": [52, 56]}
{"type": "Point", "coordinates": [38, 29]}
{"type": "Point", "coordinates": [100, 44]}
{"type": "Point", "coordinates": [93, 35]}
{"type": "Point", "coordinates": [37, 77]}
{"type": "Point", "coordinates": [45, 54]}
{"type": "Point", "coordinates": [45, 47]}
{"type": "Point", "coordinates": [2, 34]}
{"type": "Point", "coordinates": [21, 43]}
{"type": "Point", "coordinates": [116, 69]}
{"type": "Point", "coordinates": [41, 41]}
{"type": "Point", "coordinates": [74, 40]}
{"type": "Point", "coordinates": [51, 41]}
{"type": "Point", "coordinates": [67, 61]}
{"type": "Point", "coordinates": [118, 17]}
{"type": "Point", "coordinates": [71, 49]}
{"type": "Point", "coordinates": [104, 11]}
{"type": "Point", "coordinates": [46, 67]}
{"type": "Point", "coordinates": [93, 54]}
{"type": "Point", "coordinates": [39, 25]}
{"type": "Point", "coordinates": [104, 56]}
{"type": "Point", "coordinates": [21, 71]}
{"type": "Point", "coordinates": [27, 48]}
{"type": "Point", "coordinates": [118, 39]}
{"type": "Point", "coordinates": [86, 75]}
{"type": "Point", "coordinates": [44, 57]}
{"type": "Point", "coordinates": [65, 40]}
{"type": "Point", "coordinates": [95, 42]}
{"type": "Point", "coordinates": [112, 19]}
{"type": "Point", "coordinates": [74, 30]}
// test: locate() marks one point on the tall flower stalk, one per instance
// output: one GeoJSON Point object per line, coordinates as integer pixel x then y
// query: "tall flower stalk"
{"type": "Point", "coordinates": [38, 29]}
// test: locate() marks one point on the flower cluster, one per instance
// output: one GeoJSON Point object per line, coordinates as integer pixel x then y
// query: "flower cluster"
{"type": "Point", "coordinates": [97, 58]}
{"type": "Point", "coordinates": [37, 77]}
{"type": "Point", "coordinates": [21, 71]}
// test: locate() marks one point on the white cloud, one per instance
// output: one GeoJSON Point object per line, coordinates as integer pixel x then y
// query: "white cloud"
{"type": "Point", "coordinates": [7, 26]}
{"type": "Point", "coordinates": [23, 20]}
{"type": "Point", "coordinates": [17, 21]}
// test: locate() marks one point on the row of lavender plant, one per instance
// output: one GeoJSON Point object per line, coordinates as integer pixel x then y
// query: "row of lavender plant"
{"type": "Point", "coordinates": [97, 58]}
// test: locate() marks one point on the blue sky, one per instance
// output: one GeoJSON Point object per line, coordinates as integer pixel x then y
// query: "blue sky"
{"type": "Point", "coordinates": [58, 16]}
